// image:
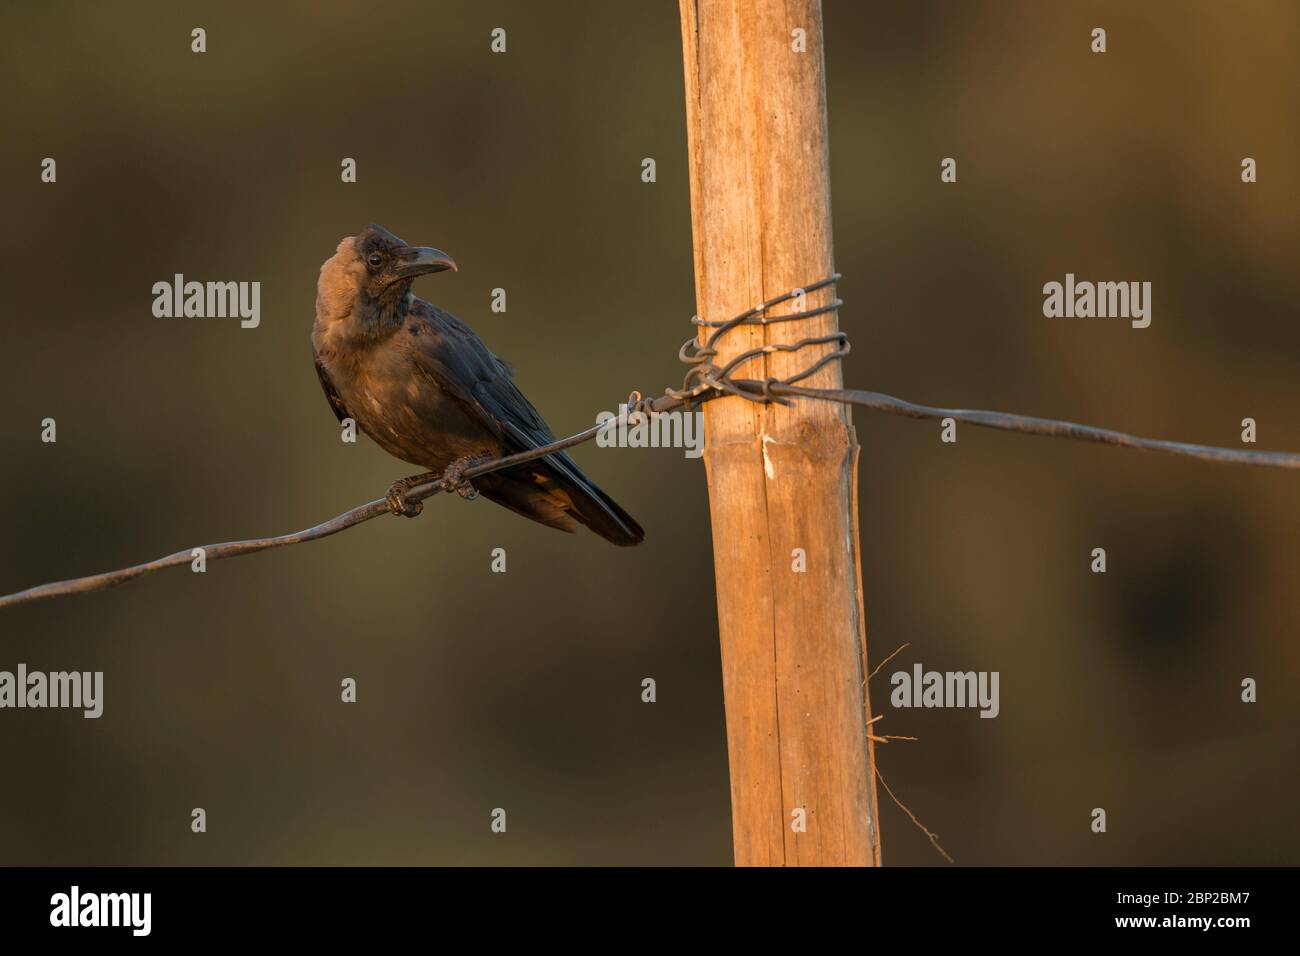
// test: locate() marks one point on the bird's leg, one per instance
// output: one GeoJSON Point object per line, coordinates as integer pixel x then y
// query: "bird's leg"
{"type": "Point", "coordinates": [453, 479]}
{"type": "Point", "coordinates": [396, 494]}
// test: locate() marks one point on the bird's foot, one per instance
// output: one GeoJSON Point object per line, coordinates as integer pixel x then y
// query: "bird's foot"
{"type": "Point", "coordinates": [453, 479]}
{"type": "Point", "coordinates": [396, 498]}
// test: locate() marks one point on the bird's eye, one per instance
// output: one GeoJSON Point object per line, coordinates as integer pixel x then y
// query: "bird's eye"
{"type": "Point", "coordinates": [375, 259]}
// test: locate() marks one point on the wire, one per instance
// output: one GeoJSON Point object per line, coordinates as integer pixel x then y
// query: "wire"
{"type": "Point", "coordinates": [706, 381]}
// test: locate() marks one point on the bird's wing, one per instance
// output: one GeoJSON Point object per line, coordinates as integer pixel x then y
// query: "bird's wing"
{"type": "Point", "coordinates": [458, 361]}
{"type": "Point", "coordinates": [461, 364]}
{"type": "Point", "coordinates": [331, 393]}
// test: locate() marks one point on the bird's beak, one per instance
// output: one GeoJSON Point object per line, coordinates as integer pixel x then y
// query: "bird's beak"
{"type": "Point", "coordinates": [411, 261]}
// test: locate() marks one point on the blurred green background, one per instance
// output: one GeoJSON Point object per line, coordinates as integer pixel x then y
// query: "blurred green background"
{"type": "Point", "coordinates": [522, 690]}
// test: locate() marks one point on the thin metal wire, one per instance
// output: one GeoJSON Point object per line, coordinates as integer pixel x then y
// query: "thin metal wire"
{"type": "Point", "coordinates": [705, 381]}
{"type": "Point", "coordinates": [705, 376]}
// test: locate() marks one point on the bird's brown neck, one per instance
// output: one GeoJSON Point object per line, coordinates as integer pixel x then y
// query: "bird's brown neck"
{"type": "Point", "coordinates": [381, 316]}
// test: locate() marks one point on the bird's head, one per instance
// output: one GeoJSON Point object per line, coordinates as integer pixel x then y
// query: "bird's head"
{"type": "Point", "coordinates": [370, 275]}
{"type": "Point", "coordinates": [390, 262]}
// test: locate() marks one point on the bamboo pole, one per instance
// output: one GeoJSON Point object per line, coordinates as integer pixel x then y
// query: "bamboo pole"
{"type": "Point", "coordinates": [793, 644]}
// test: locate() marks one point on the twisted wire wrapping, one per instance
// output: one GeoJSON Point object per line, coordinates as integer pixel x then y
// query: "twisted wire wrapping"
{"type": "Point", "coordinates": [706, 376]}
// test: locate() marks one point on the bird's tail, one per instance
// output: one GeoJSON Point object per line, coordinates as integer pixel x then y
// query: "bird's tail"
{"type": "Point", "coordinates": [555, 492]}
{"type": "Point", "coordinates": [602, 514]}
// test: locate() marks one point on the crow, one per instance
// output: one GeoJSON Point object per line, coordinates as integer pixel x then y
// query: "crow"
{"type": "Point", "coordinates": [426, 389]}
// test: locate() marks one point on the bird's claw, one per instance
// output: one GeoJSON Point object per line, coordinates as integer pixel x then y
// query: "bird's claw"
{"type": "Point", "coordinates": [397, 501]}
{"type": "Point", "coordinates": [453, 479]}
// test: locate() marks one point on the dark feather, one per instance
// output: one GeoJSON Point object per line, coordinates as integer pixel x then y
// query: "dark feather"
{"type": "Point", "coordinates": [458, 361]}
{"type": "Point", "coordinates": [331, 393]}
